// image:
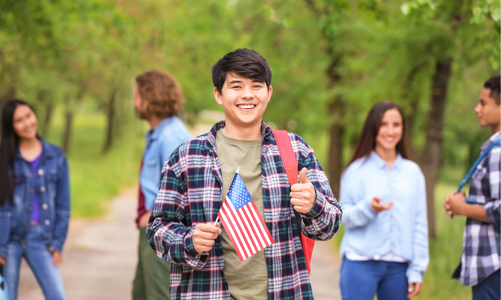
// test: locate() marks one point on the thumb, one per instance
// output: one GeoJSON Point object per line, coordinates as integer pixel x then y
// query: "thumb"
{"type": "Point", "coordinates": [302, 176]}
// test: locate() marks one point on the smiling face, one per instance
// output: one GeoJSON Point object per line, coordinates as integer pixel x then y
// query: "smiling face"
{"type": "Point", "coordinates": [488, 112]}
{"type": "Point", "coordinates": [390, 132]}
{"type": "Point", "coordinates": [25, 122]}
{"type": "Point", "coordinates": [244, 101]}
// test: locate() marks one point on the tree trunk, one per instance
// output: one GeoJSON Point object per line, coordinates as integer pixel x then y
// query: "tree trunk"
{"type": "Point", "coordinates": [68, 124]}
{"type": "Point", "coordinates": [336, 133]}
{"type": "Point", "coordinates": [49, 109]}
{"type": "Point", "coordinates": [110, 128]}
{"type": "Point", "coordinates": [337, 128]}
{"type": "Point", "coordinates": [412, 98]}
{"type": "Point", "coordinates": [430, 159]}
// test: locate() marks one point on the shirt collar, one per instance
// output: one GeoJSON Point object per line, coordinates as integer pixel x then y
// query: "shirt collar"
{"type": "Point", "coordinates": [492, 139]}
{"type": "Point", "coordinates": [381, 164]}
{"type": "Point", "coordinates": [211, 139]}
{"type": "Point", "coordinates": [154, 134]}
{"type": "Point", "coordinates": [46, 150]}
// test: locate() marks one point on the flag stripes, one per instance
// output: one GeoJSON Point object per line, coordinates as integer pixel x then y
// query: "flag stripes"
{"type": "Point", "coordinates": [246, 228]}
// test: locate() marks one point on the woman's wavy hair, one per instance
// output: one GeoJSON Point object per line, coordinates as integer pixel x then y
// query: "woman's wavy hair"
{"type": "Point", "coordinates": [9, 146]}
{"type": "Point", "coordinates": [163, 95]}
{"type": "Point", "coordinates": [367, 139]}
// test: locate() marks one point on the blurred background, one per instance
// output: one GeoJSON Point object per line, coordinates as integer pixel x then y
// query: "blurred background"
{"type": "Point", "coordinates": [75, 62]}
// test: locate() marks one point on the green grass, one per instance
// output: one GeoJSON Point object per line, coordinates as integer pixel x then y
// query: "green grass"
{"type": "Point", "coordinates": [96, 177]}
{"type": "Point", "coordinates": [445, 253]}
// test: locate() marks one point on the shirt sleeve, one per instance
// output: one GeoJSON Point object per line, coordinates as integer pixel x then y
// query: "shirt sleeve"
{"type": "Point", "coordinates": [420, 256]}
{"type": "Point", "coordinates": [492, 208]}
{"type": "Point", "coordinates": [167, 232]}
{"type": "Point", "coordinates": [323, 221]}
{"type": "Point", "coordinates": [356, 212]}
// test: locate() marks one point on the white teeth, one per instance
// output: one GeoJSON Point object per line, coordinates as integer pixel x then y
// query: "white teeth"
{"type": "Point", "coordinates": [246, 106]}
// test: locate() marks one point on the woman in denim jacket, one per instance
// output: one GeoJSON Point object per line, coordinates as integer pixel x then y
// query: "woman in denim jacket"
{"type": "Point", "coordinates": [34, 201]}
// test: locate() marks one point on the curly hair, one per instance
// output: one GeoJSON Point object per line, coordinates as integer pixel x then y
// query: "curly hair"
{"type": "Point", "coordinates": [163, 95]}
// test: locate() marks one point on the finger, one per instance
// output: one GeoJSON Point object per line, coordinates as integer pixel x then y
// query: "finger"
{"type": "Point", "coordinates": [302, 176]}
{"type": "Point", "coordinates": [207, 235]}
{"type": "Point", "coordinates": [206, 243]}
{"type": "Point", "coordinates": [299, 187]}
{"type": "Point", "coordinates": [209, 228]}
{"type": "Point", "coordinates": [415, 290]}
{"type": "Point", "coordinates": [376, 199]}
{"type": "Point", "coordinates": [201, 249]}
{"type": "Point", "coordinates": [462, 193]}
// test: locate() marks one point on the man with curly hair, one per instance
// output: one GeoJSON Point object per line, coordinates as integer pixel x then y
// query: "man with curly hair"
{"type": "Point", "coordinates": [157, 99]}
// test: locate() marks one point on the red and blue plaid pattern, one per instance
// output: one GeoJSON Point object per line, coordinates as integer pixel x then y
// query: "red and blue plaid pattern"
{"type": "Point", "coordinates": [191, 193]}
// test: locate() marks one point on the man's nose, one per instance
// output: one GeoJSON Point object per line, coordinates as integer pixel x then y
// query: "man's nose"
{"type": "Point", "coordinates": [247, 93]}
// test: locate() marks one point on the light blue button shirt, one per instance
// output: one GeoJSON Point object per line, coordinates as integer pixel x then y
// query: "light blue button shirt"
{"type": "Point", "coordinates": [401, 230]}
{"type": "Point", "coordinates": [160, 143]}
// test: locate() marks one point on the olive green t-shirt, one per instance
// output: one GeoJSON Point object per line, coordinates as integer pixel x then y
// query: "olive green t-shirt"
{"type": "Point", "coordinates": [247, 279]}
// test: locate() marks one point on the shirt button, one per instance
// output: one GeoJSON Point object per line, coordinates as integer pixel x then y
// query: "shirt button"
{"type": "Point", "coordinates": [30, 190]}
{"type": "Point", "coordinates": [42, 189]}
{"type": "Point", "coordinates": [377, 257]}
{"type": "Point", "coordinates": [40, 172]}
{"type": "Point", "coordinates": [47, 222]}
{"type": "Point", "coordinates": [28, 208]}
{"type": "Point", "coordinates": [25, 224]}
{"type": "Point", "coordinates": [44, 206]}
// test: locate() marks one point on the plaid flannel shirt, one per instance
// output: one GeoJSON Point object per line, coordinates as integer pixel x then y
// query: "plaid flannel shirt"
{"type": "Point", "coordinates": [481, 253]}
{"type": "Point", "coordinates": [191, 193]}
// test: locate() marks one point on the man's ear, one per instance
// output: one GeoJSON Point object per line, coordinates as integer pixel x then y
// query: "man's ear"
{"type": "Point", "coordinates": [217, 96]}
{"type": "Point", "coordinates": [270, 92]}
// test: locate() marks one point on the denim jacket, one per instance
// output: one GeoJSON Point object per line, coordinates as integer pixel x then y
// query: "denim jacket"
{"type": "Point", "coordinates": [160, 143]}
{"type": "Point", "coordinates": [53, 199]}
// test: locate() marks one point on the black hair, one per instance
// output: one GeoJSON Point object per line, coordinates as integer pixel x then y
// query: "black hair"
{"type": "Point", "coordinates": [493, 84]}
{"type": "Point", "coordinates": [244, 62]}
{"type": "Point", "coordinates": [367, 138]}
{"type": "Point", "coordinates": [9, 146]}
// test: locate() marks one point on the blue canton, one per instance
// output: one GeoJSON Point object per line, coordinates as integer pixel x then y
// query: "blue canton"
{"type": "Point", "coordinates": [238, 193]}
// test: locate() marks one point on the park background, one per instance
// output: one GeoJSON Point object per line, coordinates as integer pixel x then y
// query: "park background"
{"type": "Point", "coordinates": [75, 62]}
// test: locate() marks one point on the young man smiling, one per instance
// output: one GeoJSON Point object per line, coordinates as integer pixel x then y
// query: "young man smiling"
{"type": "Point", "coordinates": [198, 174]}
{"type": "Point", "coordinates": [480, 261]}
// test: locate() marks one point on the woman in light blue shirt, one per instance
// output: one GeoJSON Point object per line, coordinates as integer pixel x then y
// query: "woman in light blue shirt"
{"type": "Point", "coordinates": [383, 197]}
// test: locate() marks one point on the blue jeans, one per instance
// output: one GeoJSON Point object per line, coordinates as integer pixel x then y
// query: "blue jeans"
{"type": "Point", "coordinates": [361, 280]}
{"type": "Point", "coordinates": [37, 254]}
{"type": "Point", "coordinates": [487, 289]}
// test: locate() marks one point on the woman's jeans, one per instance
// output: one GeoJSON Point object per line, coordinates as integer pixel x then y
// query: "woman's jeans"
{"type": "Point", "coordinates": [361, 280]}
{"type": "Point", "coordinates": [37, 254]}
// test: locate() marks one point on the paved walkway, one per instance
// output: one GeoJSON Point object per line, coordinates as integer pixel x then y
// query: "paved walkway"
{"type": "Point", "coordinates": [100, 259]}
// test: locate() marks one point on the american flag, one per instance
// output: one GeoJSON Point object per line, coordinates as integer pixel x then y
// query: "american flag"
{"type": "Point", "coordinates": [243, 222]}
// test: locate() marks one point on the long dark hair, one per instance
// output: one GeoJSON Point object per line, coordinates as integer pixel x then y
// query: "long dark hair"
{"type": "Point", "coordinates": [367, 138]}
{"type": "Point", "coordinates": [9, 146]}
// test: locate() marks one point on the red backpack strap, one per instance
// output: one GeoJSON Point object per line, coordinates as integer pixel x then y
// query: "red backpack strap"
{"type": "Point", "coordinates": [291, 168]}
{"type": "Point", "coordinates": [287, 154]}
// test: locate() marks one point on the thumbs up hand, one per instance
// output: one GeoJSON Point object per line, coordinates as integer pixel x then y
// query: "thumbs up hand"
{"type": "Point", "coordinates": [303, 194]}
